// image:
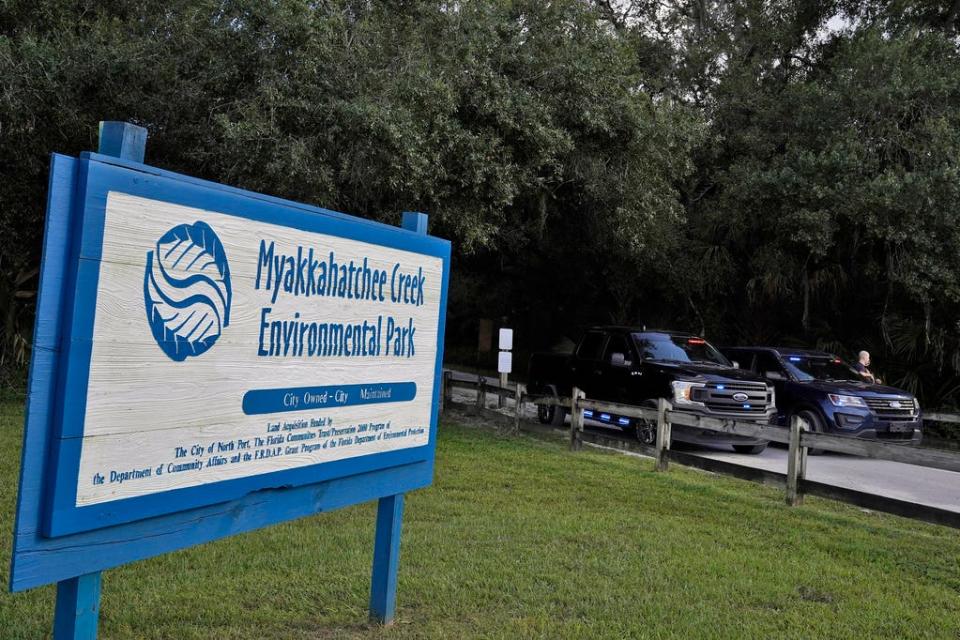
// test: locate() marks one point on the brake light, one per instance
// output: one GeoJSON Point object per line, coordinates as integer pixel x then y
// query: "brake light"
{"type": "Point", "coordinates": [696, 341]}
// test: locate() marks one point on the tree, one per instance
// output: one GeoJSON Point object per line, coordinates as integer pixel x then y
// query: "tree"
{"type": "Point", "coordinates": [519, 126]}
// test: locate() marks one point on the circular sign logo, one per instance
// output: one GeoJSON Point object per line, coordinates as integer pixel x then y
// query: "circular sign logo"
{"type": "Point", "coordinates": [186, 289]}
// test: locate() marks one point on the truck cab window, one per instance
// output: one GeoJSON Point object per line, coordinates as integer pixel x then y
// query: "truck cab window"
{"type": "Point", "coordinates": [664, 347]}
{"type": "Point", "coordinates": [617, 344]}
{"type": "Point", "coordinates": [745, 359]}
{"type": "Point", "coordinates": [591, 347]}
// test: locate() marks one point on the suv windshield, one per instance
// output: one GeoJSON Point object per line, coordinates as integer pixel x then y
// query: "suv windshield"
{"type": "Point", "coordinates": [666, 348]}
{"type": "Point", "coordinates": [804, 369]}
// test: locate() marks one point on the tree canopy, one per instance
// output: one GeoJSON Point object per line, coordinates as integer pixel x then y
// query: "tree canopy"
{"type": "Point", "coordinates": [781, 171]}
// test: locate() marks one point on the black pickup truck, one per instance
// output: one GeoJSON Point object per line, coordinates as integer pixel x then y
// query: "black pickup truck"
{"type": "Point", "coordinates": [636, 366]}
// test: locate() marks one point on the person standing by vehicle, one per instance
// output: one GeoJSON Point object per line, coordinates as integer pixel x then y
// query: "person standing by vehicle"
{"type": "Point", "coordinates": [863, 367]}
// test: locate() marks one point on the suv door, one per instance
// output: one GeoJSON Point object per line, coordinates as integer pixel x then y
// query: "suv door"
{"type": "Point", "coordinates": [766, 362]}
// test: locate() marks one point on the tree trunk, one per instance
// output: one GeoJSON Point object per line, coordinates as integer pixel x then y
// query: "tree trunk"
{"type": "Point", "coordinates": [805, 318]}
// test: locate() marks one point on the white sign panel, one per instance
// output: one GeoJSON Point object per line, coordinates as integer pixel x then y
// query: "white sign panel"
{"type": "Point", "coordinates": [225, 348]}
{"type": "Point", "coordinates": [506, 339]}
{"type": "Point", "coordinates": [505, 362]}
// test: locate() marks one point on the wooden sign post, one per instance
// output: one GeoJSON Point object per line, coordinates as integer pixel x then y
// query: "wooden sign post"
{"type": "Point", "coordinates": [504, 361]}
{"type": "Point", "coordinates": [210, 361]}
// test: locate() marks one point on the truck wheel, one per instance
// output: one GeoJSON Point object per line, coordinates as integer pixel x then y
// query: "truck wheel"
{"type": "Point", "coordinates": [752, 449]}
{"type": "Point", "coordinates": [551, 414]}
{"type": "Point", "coordinates": [816, 426]}
{"type": "Point", "coordinates": [646, 430]}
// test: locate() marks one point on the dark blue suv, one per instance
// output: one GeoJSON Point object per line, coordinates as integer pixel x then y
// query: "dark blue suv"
{"type": "Point", "coordinates": [831, 396]}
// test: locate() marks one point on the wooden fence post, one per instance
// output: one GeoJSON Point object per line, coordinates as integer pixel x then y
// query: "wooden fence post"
{"type": "Point", "coordinates": [444, 391]}
{"type": "Point", "coordinates": [804, 452]}
{"type": "Point", "coordinates": [448, 389]}
{"type": "Point", "coordinates": [481, 393]}
{"type": "Point", "coordinates": [576, 420]}
{"type": "Point", "coordinates": [663, 435]}
{"type": "Point", "coordinates": [796, 462]}
{"type": "Point", "coordinates": [518, 409]}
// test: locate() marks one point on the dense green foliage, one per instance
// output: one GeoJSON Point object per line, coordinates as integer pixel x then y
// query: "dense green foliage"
{"type": "Point", "coordinates": [780, 171]}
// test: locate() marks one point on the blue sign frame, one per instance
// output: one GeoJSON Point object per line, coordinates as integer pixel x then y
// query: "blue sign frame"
{"type": "Point", "coordinates": [54, 540]}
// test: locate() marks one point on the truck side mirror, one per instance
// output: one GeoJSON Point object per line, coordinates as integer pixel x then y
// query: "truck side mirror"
{"type": "Point", "coordinates": [619, 360]}
{"type": "Point", "coordinates": [774, 375]}
{"type": "Point", "coordinates": [736, 365]}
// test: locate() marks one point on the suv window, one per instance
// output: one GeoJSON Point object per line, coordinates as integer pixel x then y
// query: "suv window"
{"type": "Point", "coordinates": [820, 368]}
{"type": "Point", "coordinates": [617, 344]}
{"type": "Point", "coordinates": [591, 346]}
{"type": "Point", "coordinates": [766, 361]}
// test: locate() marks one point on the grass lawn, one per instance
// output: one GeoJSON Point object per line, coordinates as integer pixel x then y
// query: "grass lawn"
{"type": "Point", "coordinates": [519, 538]}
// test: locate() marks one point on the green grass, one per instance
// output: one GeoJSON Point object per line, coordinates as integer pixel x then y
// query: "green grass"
{"type": "Point", "coordinates": [520, 539]}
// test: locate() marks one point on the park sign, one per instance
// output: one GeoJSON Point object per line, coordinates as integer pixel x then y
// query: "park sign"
{"type": "Point", "coordinates": [209, 361]}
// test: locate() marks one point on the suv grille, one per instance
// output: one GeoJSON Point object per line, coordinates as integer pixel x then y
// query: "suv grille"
{"type": "Point", "coordinates": [894, 435]}
{"type": "Point", "coordinates": [887, 408]}
{"type": "Point", "coordinates": [719, 397]}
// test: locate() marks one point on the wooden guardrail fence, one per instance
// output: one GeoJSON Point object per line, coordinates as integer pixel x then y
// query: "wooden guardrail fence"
{"type": "Point", "coordinates": [936, 416]}
{"type": "Point", "coordinates": [798, 437]}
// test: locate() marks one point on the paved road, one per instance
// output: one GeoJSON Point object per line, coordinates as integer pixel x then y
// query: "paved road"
{"type": "Point", "coordinates": [921, 485]}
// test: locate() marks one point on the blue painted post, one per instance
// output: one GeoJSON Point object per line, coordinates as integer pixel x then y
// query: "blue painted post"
{"type": "Point", "coordinates": [416, 222]}
{"type": "Point", "coordinates": [78, 608]}
{"type": "Point", "coordinates": [386, 543]}
{"type": "Point", "coordinates": [123, 140]}
{"type": "Point", "coordinates": [386, 559]}
{"type": "Point", "coordinates": [78, 599]}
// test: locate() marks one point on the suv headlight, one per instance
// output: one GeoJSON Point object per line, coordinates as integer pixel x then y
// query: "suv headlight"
{"type": "Point", "coordinates": [847, 401]}
{"type": "Point", "coordinates": [683, 392]}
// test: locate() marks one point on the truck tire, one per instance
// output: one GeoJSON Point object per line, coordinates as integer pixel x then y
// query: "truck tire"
{"type": "Point", "coordinates": [752, 449]}
{"type": "Point", "coordinates": [816, 426]}
{"type": "Point", "coordinates": [551, 414]}
{"type": "Point", "coordinates": [646, 430]}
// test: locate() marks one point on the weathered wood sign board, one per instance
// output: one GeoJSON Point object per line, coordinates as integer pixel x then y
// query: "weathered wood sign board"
{"type": "Point", "coordinates": [209, 360]}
